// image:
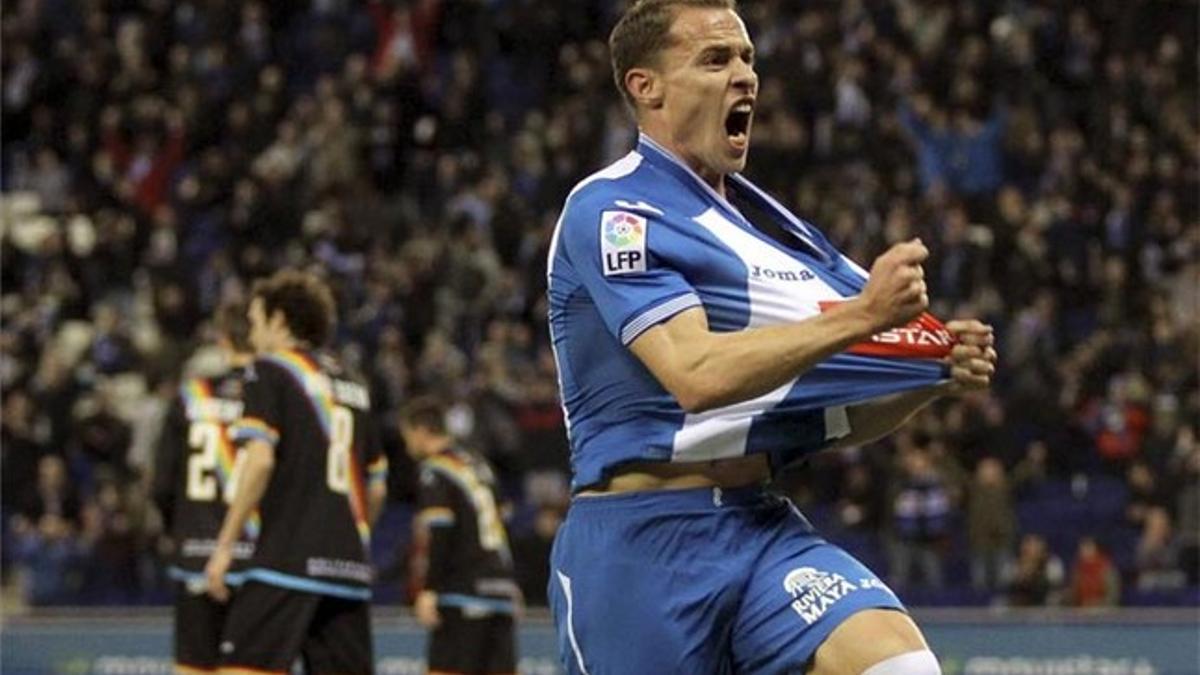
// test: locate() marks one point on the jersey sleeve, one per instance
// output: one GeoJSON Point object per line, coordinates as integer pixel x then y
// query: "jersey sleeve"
{"type": "Point", "coordinates": [435, 499]}
{"type": "Point", "coordinates": [437, 514]}
{"type": "Point", "coordinates": [619, 256]}
{"type": "Point", "coordinates": [262, 416]}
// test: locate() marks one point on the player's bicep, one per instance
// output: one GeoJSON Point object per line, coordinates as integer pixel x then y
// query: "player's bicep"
{"type": "Point", "coordinates": [262, 417]}
{"type": "Point", "coordinates": [623, 260]}
{"type": "Point", "coordinates": [673, 350]}
{"type": "Point", "coordinates": [260, 458]}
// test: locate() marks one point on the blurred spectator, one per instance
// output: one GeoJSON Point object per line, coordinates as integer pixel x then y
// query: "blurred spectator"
{"type": "Point", "coordinates": [531, 551]}
{"type": "Point", "coordinates": [1157, 558]}
{"type": "Point", "coordinates": [920, 521]}
{"type": "Point", "coordinates": [1036, 578]}
{"type": "Point", "coordinates": [1117, 422]}
{"type": "Point", "coordinates": [1094, 581]}
{"type": "Point", "coordinates": [955, 149]}
{"type": "Point", "coordinates": [51, 494]}
{"type": "Point", "coordinates": [1145, 495]}
{"type": "Point", "coordinates": [1187, 509]}
{"type": "Point", "coordinates": [1031, 471]}
{"type": "Point", "coordinates": [991, 524]}
{"type": "Point", "coordinates": [112, 348]}
{"type": "Point", "coordinates": [101, 438]}
{"type": "Point", "coordinates": [23, 445]}
{"type": "Point", "coordinates": [112, 540]}
{"type": "Point", "coordinates": [49, 560]}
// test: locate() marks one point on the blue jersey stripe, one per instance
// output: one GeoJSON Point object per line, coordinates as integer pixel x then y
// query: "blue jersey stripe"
{"type": "Point", "coordinates": [306, 585]}
{"type": "Point", "coordinates": [464, 601]}
{"type": "Point", "coordinates": [177, 573]}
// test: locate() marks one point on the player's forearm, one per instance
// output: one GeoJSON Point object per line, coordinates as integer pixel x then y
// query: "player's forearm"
{"type": "Point", "coordinates": [252, 484]}
{"type": "Point", "coordinates": [873, 420]}
{"type": "Point", "coordinates": [726, 368]}
{"type": "Point", "coordinates": [376, 497]}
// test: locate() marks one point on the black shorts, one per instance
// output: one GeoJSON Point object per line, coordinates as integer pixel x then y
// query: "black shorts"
{"type": "Point", "coordinates": [473, 646]}
{"type": "Point", "coordinates": [198, 622]}
{"type": "Point", "coordinates": [269, 627]}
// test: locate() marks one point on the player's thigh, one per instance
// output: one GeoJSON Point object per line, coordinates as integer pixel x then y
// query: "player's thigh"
{"type": "Point", "coordinates": [798, 595]}
{"type": "Point", "coordinates": [865, 639]}
{"type": "Point", "coordinates": [640, 596]}
{"type": "Point", "coordinates": [198, 623]}
{"type": "Point", "coordinates": [265, 628]}
{"type": "Point", "coordinates": [339, 639]}
{"type": "Point", "coordinates": [458, 644]}
{"type": "Point", "coordinates": [501, 646]}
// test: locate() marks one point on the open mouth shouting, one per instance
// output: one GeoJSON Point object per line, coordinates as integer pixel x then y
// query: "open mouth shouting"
{"type": "Point", "coordinates": [737, 123]}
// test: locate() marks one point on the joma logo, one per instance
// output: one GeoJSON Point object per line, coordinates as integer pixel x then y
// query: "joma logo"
{"type": "Point", "coordinates": [760, 272]}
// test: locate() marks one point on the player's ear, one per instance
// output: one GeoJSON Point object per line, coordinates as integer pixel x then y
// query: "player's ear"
{"type": "Point", "coordinates": [277, 319]}
{"type": "Point", "coordinates": [645, 87]}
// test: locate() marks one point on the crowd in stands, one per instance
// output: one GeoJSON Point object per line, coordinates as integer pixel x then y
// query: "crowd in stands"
{"type": "Point", "coordinates": [158, 156]}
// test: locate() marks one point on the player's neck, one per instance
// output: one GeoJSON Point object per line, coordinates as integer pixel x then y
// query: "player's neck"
{"type": "Point", "coordinates": [287, 343]}
{"type": "Point", "coordinates": [713, 179]}
{"type": "Point", "coordinates": [239, 359]}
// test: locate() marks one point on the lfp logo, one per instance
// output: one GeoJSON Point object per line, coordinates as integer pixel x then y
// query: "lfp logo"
{"type": "Point", "coordinates": [623, 242]}
{"type": "Point", "coordinates": [624, 229]}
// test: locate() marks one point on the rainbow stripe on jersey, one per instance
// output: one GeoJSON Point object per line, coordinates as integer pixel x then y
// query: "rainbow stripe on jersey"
{"type": "Point", "coordinates": [200, 404]}
{"type": "Point", "coordinates": [316, 385]}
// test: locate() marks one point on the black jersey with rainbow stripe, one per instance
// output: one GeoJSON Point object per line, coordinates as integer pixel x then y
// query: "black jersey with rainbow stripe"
{"type": "Point", "coordinates": [469, 563]}
{"type": "Point", "coordinates": [315, 524]}
{"type": "Point", "coordinates": [196, 470]}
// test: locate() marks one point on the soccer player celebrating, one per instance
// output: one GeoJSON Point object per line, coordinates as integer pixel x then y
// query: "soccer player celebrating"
{"type": "Point", "coordinates": [706, 337]}
{"type": "Point", "coordinates": [194, 478]}
{"type": "Point", "coordinates": [314, 469]}
{"type": "Point", "coordinates": [468, 598]}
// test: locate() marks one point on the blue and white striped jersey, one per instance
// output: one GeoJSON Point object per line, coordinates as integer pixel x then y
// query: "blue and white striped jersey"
{"type": "Point", "coordinates": [646, 238]}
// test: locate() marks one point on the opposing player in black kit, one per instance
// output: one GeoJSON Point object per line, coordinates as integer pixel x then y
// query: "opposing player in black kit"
{"type": "Point", "coordinates": [468, 599]}
{"type": "Point", "coordinates": [314, 468]}
{"type": "Point", "coordinates": [194, 478]}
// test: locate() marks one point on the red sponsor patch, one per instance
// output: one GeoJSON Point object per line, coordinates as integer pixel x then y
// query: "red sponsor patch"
{"type": "Point", "coordinates": [925, 337]}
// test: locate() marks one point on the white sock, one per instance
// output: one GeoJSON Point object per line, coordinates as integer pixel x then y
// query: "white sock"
{"type": "Point", "coordinates": [910, 663]}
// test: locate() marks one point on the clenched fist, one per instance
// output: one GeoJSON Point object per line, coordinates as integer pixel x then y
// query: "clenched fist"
{"type": "Point", "coordinates": [973, 359]}
{"type": "Point", "coordinates": [896, 293]}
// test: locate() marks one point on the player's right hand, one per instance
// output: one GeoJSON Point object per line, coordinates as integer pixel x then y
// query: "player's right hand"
{"type": "Point", "coordinates": [896, 293]}
{"type": "Point", "coordinates": [426, 610]}
{"type": "Point", "coordinates": [214, 573]}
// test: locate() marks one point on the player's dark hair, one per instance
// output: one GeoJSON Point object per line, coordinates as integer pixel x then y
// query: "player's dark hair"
{"type": "Point", "coordinates": [643, 31]}
{"type": "Point", "coordinates": [424, 412]}
{"type": "Point", "coordinates": [305, 301]}
{"type": "Point", "coordinates": [231, 323]}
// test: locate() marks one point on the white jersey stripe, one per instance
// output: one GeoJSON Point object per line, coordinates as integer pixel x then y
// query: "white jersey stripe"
{"type": "Point", "coordinates": [780, 289]}
{"type": "Point", "coordinates": [618, 169]}
{"type": "Point", "coordinates": [565, 582]}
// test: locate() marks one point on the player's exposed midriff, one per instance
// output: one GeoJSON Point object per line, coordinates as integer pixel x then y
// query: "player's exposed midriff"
{"type": "Point", "coordinates": [724, 473]}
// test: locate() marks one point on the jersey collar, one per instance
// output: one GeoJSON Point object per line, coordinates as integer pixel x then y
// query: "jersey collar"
{"type": "Point", "coordinates": [664, 159]}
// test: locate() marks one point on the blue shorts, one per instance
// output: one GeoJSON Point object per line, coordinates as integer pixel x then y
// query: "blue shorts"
{"type": "Point", "coordinates": [699, 581]}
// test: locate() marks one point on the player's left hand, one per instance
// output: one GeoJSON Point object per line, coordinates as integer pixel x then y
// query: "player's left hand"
{"type": "Point", "coordinates": [973, 360]}
{"type": "Point", "coordinates": [215, 571]}
{"type": "Point", "coordinates": [426, 610]}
